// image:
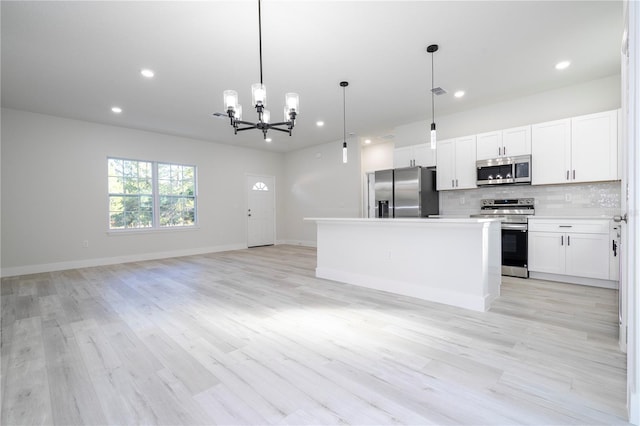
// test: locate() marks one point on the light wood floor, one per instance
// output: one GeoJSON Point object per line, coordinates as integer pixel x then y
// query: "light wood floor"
{"type": "Point", "coordinates": [252, 337]}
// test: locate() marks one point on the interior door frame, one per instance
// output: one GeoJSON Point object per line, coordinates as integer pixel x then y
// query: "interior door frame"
{"type": "Point", "coordinates": [630, 275]}
{"type": "Point", "coordinates": [246, 205]}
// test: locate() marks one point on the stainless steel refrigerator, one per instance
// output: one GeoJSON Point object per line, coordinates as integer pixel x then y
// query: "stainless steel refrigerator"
{"type": "Point", "coordinates": [406, 192]}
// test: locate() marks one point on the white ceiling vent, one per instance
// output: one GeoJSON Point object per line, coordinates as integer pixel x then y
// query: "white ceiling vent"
{"type": "Point", "coordinates": [438, 91]}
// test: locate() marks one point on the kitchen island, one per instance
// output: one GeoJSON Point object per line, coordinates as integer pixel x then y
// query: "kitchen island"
{"type": "Point", "coordinates": [456, 261]}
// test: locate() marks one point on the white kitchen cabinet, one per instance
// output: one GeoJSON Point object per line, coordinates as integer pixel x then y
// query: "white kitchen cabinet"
{"type": "Point", "coordinates": [504, 143]}
{"type": "Point", "coordinates": [550, 152]}
{"type": "Point", "coordinates": [578, 248]}
{"type": "Point", "coordinates": [414, 155]}
{"type": "Point", "coordinates": [594, 147]}
{"type": "Point", "coordinates": [456, 163]}
{"type": "Point", "coordinates": [579, 149]}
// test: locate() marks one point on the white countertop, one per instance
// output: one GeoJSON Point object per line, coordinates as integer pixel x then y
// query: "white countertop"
{"type": "Point", "coordinates": [426, 220]}
{"type": "Point", "coordinates": [571, 217]}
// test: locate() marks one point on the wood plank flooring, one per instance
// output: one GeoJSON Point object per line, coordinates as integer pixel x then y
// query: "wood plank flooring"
{"type": "Point", "coordinates": [252, 337]}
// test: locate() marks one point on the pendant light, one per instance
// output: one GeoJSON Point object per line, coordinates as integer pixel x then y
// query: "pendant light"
{"type": "Point", "coordinates": [431, 49]}
{"type": "Point", "coordinates": [344, 84]}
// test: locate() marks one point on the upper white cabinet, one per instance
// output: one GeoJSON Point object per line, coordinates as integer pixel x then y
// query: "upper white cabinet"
{"type": "Point", "coordinates": [504, 143]}
{"type": "Point", "coordinates": [580, 149]}
{"type": "Point", "coordinates": [415, 155]}
{"type": "Point", "coordinates": [594, 147]}
{"type": "Point", "coordinates": [456, 163]}
{"type": "Point", "coordinates": [550, 151]}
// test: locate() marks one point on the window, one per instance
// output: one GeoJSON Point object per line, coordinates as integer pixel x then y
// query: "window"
{"type": "Point", "coordinates": [260, 186]}
{"type": "Point", "coordinates": [146, 194]}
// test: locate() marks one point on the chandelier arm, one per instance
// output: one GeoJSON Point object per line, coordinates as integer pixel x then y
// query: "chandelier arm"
{"type": "Point", "coordinates": [240, 129]}
{"type": "Point", "coordinates": [282, 123]}
{"type": "Point", "coordinates": [278, 129]}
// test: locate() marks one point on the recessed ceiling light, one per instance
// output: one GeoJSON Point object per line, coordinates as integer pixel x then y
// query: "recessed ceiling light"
{"type": "Point", "coordinates": [562, 65]}
{"type": "Point", "coordinates": [367, 141]}
{"type": "Point", "coordinates": [116, 110]}
{"type": "Point", "coordinates": [459, 94]}
{"type": "Point", "coordinates": [147, 73]}
{"type": "Point", "coordinates": [319, 123]}
{"type": "Point", "coordinates": [268, 140]}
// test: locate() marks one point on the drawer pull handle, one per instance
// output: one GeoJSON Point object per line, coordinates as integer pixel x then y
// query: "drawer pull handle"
{"type": "Point", "coordinates": [565, 226]}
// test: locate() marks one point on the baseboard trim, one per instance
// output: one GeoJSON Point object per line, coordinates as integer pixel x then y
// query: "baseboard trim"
{"type": "Point", "coordinates": [88, 263]}
{"type": "Point", "coordinates": [298, 243]}
{"type": "Point", "coordinates": [634, 408]}
{"type": "Point", "coordinates": [592, 282]}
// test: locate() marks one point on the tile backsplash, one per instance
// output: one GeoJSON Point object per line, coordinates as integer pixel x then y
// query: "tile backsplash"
{"type": "Point", "coordinates": [578, 199]}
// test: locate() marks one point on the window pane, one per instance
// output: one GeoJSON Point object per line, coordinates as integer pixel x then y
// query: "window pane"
{"type": "Point", "coordinates": [116, 220]}
{"type": "Point", "coordinates": [144, 186]}
{"type": "Point", "coordinates": [115, 185]}
{"type": "Point", "coordinates": [164, 171]}
{"type": "Point", "coordinates": [116, 204]}
{"type": "Point", "coordinates": [164, 187]}
{"type": "Point", "coordinates": [115, 167]}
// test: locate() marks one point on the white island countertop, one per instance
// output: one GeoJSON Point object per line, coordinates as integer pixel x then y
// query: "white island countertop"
{"type": "Point", "coordinates": [456, 261]}
{"type": "Point", "coordinates": [444, 219]}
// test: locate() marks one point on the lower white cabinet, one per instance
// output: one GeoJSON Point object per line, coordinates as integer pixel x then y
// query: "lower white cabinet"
{"type": "Point", "coordinates": [578, 248]}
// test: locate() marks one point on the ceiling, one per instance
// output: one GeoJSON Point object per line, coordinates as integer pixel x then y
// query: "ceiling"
{"type": "Point", "coordinates": [78, 59]}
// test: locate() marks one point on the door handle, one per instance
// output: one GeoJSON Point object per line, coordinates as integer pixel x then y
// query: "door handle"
{"type": "Point", "coordinates": [574, 174]}
{"type": "Point", "coordinates": [614, 248]}
{"type": "Point", "coordinates": [561, 240]}
{"type": "Point", "coordinates": [568, 240]}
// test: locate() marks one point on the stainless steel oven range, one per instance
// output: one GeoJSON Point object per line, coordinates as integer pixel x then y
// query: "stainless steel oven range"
{"type": "Point", "coordinates": [514, 213]}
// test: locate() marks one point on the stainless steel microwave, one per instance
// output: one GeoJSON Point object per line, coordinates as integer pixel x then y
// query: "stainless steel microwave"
{"type": "Point", "coordinates": [504, 170]}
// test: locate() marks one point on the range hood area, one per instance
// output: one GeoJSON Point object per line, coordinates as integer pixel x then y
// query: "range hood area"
{"type": "Point", "coordinates": [406, 192]}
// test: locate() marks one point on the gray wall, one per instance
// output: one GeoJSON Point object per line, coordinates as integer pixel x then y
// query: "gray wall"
{"type": "Point", "coordinates": [54, 189]}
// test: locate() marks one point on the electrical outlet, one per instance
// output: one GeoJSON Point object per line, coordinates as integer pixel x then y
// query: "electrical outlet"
{"type": "Point", "coordinates": [85, 243]}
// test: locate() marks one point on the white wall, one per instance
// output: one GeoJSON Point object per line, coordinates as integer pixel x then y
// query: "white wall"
{"type": "Point", "coordinates": [377, 157]}
{"type": "Point", "coordinates": [319, 184]}
{"type": "Point", "coordinates": [594, 96]}
{"type": "Point", "coordinates": [54, 190]}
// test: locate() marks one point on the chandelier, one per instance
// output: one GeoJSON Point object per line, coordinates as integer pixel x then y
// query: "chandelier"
{"type": "Point", "coordinates": [259, 100]}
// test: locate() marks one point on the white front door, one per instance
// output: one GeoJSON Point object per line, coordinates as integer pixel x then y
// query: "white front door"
{"type": "Point", "coordinates": [260, 210]}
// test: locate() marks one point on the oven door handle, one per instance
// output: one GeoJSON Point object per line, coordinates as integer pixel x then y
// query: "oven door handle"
{"type": "Point", "coordinates": [515, 226]}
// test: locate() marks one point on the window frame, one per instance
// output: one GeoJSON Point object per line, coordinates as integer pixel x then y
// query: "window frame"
{"type": "Point", "coordinates": [155, 197]}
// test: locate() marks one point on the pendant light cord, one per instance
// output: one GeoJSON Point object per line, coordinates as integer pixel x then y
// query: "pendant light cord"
{"type": "Point", "coordinates": [344, 114]}
{"type": "Point", "coordinates": [260, 39]}
{"type": "Point", "coordinates": [433, 113]}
